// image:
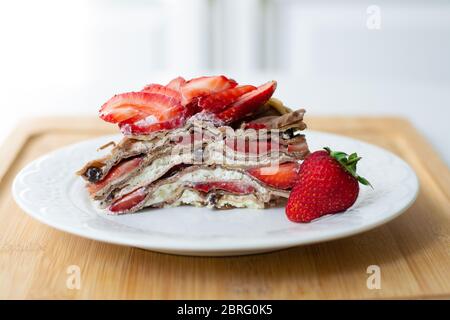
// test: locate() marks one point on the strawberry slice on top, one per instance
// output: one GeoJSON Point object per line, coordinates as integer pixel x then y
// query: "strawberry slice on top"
{"type": "Point", "coordinates": [175, 84]}
{"type": "Point", "coordinates": [203, 86]}
{"type": "Point", "coordinates": [164, 90]}
{"type": "Point", "coordinates": [143, 109]}
{"type": "Point", "coordinates": [248, 103]}
{"type": "Point", "coordinates": [146, 126]}
{"type": "Point", "coordinates": [157, 107]}
{"type": "Point", "coordinates": [220, 100]}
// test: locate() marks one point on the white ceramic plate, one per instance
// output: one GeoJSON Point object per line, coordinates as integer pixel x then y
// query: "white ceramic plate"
{"type": "Point", "coordinates": [48, 190]}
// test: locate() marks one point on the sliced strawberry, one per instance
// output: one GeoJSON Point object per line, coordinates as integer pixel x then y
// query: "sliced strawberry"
{"type": "Point", "coordinates": [129, 201]}
{"type": "Point", "coordinates": [175, 84]}
{"type": "Point", "coordinates": [282, 177]}
{"type": "Point", "coordinates": [220, 100]}
{"type": "Point", "coordinates": [150, 108]}
{"type": "Point", "coordinates": [255, 126]}
{"type": "Point", "coordinates": [139, 125]}
{"type": "Point", "coordinates": [229, 186]}
{"type": "Point", "coordinates": [159, 89]}
{"type": "Point", "coordinates": [123, 113]}
{"type": "Point", "coordinates": [205, 85]}
{"type": "Point", "coordinates": [292, 148]}
{"type": "Point", "coordinates": [143, 127]}
{"type": "Point", "coordinates": [116, 172]}
{"type": "Point", "coordinates": [248, 103]}
{"type": "Point", "coordinates": [251, 146]}
{"type": "Point", "coordinates": [138, 117]}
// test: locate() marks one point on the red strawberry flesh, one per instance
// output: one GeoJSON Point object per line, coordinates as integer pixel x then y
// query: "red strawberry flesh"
{"type": "Point", "coordinates": [293, 148]}
{"type": "Point", "coordinates": [237, 187]}
{"type": "Point", "coordinates": [141, 127]}
{"type": "Point", "coordinates": [283, 176]}
{"type": "Point", "coordinates": [251, 146]}
{"type": "Point", "coordinates": [129, 201]}
{"type": "Point", "coordinates": [165, 91]}
{"type": "Point", "coordinates": [255, 126]}
{"type": "Point", "coordinates": [116, 172]}
{"type": "Point", "coordinates": [248, 103]}
{"type": "Point", "coordinates": [159, 106]}
{"type": "Point", "coordinates": [205, 85]}
{"type": "Point", "coordinates": [220, 100]}
{"type": "Point", "coordinates": [144, 111]}
{"type": "Point", "coordinates": [175, 84]}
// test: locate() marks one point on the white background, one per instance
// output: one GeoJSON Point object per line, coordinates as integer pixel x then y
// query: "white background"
{"type": "Point", "coordinates": [68, 57]}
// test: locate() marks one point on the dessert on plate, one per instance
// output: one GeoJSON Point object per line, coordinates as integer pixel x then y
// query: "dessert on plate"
{"type": "Point", "coordinates": [207, 141]}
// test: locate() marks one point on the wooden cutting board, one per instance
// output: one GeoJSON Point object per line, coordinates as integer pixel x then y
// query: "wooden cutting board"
{"type": "Point", "coordinates": [412, 251]}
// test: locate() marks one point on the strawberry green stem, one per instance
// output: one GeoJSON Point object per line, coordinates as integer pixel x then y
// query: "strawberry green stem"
{"type": "Point", "coordinates": [348, 162]}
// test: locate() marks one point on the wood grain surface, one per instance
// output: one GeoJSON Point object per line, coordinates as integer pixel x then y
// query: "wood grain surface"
{"type": "Point", "coordinates": [413, 251]}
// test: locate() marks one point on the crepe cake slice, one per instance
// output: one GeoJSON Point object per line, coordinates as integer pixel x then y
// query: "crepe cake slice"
{"type": "Point", "coordinates": [227, 175]}
{"type": "Point", "coordinates": [215, 157]}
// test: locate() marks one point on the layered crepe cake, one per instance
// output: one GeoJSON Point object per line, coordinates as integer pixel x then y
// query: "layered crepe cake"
{"type": "Point", "coordinates": [203, 142]}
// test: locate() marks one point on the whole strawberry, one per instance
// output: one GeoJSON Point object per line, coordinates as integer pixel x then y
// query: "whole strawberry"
{"type": "Point", "coordinates": [327, 184]}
